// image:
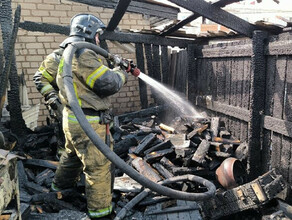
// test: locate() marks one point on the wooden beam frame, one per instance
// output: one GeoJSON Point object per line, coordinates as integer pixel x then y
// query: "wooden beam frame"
{"type": "Point", "coordinates": [217, 15]}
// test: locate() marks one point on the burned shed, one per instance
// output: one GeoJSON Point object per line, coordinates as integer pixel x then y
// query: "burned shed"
{"type": "Point", "coordinates": [242, 77]}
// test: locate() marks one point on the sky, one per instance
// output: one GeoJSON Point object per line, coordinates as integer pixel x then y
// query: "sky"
{"type": "Point", "coordinates": [283, 5]}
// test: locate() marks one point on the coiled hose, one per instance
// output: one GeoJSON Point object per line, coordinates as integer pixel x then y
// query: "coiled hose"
{"type": "Point", "coordinates": [98, 142]}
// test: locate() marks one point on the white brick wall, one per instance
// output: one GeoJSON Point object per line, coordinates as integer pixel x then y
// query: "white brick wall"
{"type": "Point", "coordinates": [32, 47]}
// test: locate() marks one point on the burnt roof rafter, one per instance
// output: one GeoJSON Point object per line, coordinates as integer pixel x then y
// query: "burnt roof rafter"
{"type": "Point", "coordinates": [118, 14]}
{"type": "Point", "coordinates": [109, 35]}
{"type": "Point", "coordinates": [145, 39]}
{"type": "Point", "coordinates": [220, 3]}
{"type": "Point", "coordinates": [140, 7]}
{"type": "Point", "coordinates": [217, 15]}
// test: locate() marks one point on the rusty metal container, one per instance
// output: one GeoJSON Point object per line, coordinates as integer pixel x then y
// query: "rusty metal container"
{"type": "Point", "coordinates": [231, 173]}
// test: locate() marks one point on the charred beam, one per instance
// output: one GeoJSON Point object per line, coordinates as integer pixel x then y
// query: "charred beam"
{"type": "Point", "coordinates": [45, 27]}
{"type": "Point", "coordinates": [145, 169]}
{"type": "Point", "coordinates": [46, 174]}
{"type": "Point", "coordinates": [251, 195]}
{"type": "Point", "coordinates": [136, 7]}
{"type": "Point", "coordinates": [144, 144]}
{"type": "Point", "coordinates": [162, 170]}
{"type": "Point", "coordinates": [42, 163]}
{"type": "Point", "coordinates": [167, 163]}
{"type": "Point", "coordinates": [160, 146]}
{"type": "Point", "coordinates": [201, 152]}
{"type": "Point", "coordinates": [192, 72]}
{"type": "Point", "coordinates": [198, 130]}
{"type": "Point", "coordinates": [33, 188]}
{"type": "Point", "coordinates": [123, 146]}
{"type": "Point", "coordinates": [226, 141]}
{"type": "Point", "coordinates": [194, 16]}
{"type": "Point", "coordinates": [177, 171]}
{"type": "Point", "coordinates": [9, 34]}
{"type": "Point", "coordinates": [164, 64]}
{"type": "Point", "coordinates": [234, 111]}
{"type": "Point", "coordinates": [144, 38]}
{"type": "Point", "coordinates": [141, 66]}
{"type": "Point", "coordinates": [257, 102]}
{"type": "Point", "coordinates": [118, 14]}
{"type": "Point", "coordinates": [157, 155]}
{"type": "Point", "coordinates": [143, 113]}
{"type": "Point", "coordinates": [217, 15]}
{"type": "Point", "coordinates": [214, 127]}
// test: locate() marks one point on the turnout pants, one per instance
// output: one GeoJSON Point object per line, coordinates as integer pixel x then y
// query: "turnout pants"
{"type": "Point", "coordinates": [82, 155]}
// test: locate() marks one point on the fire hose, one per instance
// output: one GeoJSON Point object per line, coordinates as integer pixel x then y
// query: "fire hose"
{"type": "Point", "coordinates": [98, 142]}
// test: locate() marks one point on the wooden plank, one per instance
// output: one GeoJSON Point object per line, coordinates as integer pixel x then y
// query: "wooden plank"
{"type": "Point", "coordinates": [192, 73]}
{"type": "Point", "coordinates": [156, 71]}
{"type": "Point", "coordinates": [242, 50]}
{"type": "Point", "coordinates": [278, 109]}
{"type": "Point", "coordinates": [220, 80]}
{"type": "Point", "coordinates": [283, 47]}
{"type": "Point", "coordinates": [288, 87]}
{"type": "Point", "coordinates": [277, 125]}
{"type": "Point", "coordinates": [173, 68]}
{"type": "Point", "coordinates": [285, 157]}
{"type": "Point", "coordinates": [276, 150]}
{"type": "Point", "coordinates": [145, 169]}
{"type": "Point", "coordinates": [279, 87]}
{"type": "Point", "coordinates": [229, 110]}
{"type": "Point", "coordinates": [164, 64]}
{"type": "Point", "coordinates": [212, 69]}
{"type": "Point", "coordinates": [270, 85]}
{"type": "Point", "coordinates": [156, 63]}
{"type": "Point", "coordinates": [290, 166]}
{"type": "Point", "coordinates": [142, 84]}
{"type": "Point", "coordinates": [239, 96]}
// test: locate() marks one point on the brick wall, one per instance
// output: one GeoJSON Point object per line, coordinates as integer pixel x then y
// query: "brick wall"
{"type": "Point", "coordinates": [32, 47]}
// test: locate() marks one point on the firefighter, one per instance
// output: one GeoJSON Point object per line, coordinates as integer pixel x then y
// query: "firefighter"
{"type": "Point", "coordinates": [94, 83]}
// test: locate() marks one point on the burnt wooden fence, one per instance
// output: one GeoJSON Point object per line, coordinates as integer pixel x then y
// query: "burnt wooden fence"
{"type": "Point", "coordinates": [248, 84]}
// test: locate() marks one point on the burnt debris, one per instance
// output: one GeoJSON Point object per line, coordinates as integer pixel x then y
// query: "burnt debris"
{"type": "Point", "coordinates": [160, 150]}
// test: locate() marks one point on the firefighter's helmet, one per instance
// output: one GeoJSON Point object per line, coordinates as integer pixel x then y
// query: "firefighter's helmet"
{"type": "Point", "coordinates": [86, 25]}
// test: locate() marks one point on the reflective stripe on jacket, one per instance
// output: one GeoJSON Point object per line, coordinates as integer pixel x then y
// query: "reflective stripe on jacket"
{"type": "Point", "coordinates": [93, 82]}
{"type": "Point", "coordinates": [45, 77]}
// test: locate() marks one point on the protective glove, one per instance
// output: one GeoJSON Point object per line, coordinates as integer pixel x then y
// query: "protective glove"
{"type": "Point", "coordinates": [54, 103]}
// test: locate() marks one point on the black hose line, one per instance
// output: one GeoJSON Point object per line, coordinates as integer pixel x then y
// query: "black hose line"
{"type": "Point", "coordinates": [122, 213]}
{"type": "Point", "coordinates": [98, 142]}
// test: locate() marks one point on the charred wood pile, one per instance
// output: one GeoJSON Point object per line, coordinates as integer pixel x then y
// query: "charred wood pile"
{"type": "Point", "coordinates": [159, 149]}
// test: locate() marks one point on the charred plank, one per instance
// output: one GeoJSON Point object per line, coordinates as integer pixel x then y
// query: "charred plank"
{"type": "Point", "coordinates": [161, 146]}
{"type": "Point", "coordinates": [145, 169]}
{"type": "Point", "coordinates": [42, 163]}
{"type": "Point", "coordinates": [145, 143]}
{"type": "Point", "coordinates": [157, 155]}
{"type": "Point", "coordinates": [162, 170]}
{"type": "Point", "coordinates": [201, 152]}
